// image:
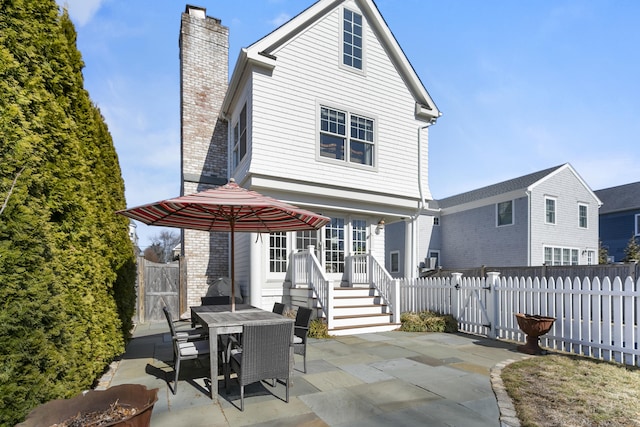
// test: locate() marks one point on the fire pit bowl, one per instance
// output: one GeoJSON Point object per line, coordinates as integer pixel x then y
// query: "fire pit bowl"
{"type": "Point", "coordinates": [534, 326]}
{"type": "Point", "coordinates": [136, 397]}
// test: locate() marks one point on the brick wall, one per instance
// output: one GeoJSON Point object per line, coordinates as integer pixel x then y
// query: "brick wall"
{"type": "Point", "coordinates": [204, 76]}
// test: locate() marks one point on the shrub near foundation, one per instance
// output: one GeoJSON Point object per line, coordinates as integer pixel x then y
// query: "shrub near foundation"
{"type": "Point", "coordinates": [427, 321]}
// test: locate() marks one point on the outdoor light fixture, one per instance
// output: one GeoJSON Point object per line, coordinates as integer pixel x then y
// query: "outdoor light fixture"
{"type": "Point", "coordinates": [380, 226]}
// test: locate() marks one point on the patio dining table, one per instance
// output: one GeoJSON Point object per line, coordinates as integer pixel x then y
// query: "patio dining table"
{"type": "Point", "coordinates": [219, 319]}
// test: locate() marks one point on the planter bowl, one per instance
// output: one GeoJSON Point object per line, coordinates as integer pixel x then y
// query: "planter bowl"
{"type": "Point", "coordinates": [131, 395]}
{"type": "Point", "coordinates": [534, 326]}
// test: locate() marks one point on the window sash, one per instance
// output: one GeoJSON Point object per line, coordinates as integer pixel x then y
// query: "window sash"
{"type": "Point", "coordinates": [334, 246]}
{"type": "Point", "coordinates": [505, 213]}
{"type": "Point", "coordinates": [550, 211]}
{"type": "Point", "coordinates": [359, 236]}
{"type": "Point", "coordinates": [637, 224]}
{"type": "Point", "coordinates": [333, 137]}
{"type": "Point", "coordinates": [582, 213]}
{"type": "Point", "coordinates": [278, 252]}
{"type": "Point", "coordinates": [352, 39]}
{"type": "Point", "coordinates": [240, 138]}
{"type": "Point", "coordinates": [395, 262]}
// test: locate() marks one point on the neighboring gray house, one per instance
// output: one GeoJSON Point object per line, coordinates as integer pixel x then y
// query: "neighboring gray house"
{"type": "Point", "coordinates": [547, 217]}
{"type": "Point", "coordinates": [619, 218]}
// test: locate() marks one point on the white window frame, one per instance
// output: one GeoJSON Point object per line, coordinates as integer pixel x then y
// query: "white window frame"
{"type": "Point", "coordinates": [637, 225]}
{"type": "Point", "coordinates": [343, 131]}
{"type": "Point", "coordinates": [555, 210]}
{"type": "Point", "coordinates": [395, 254]}
{"type": "Point", "coordinates": [436, 220]}
{"type": "Point", "coordinates": [498, 214]}
{"type": "Point", "coordinates": [558, 255]}
{"type": "Point", "coordinates": [359, 236]}
{"type": "Point", "coordinates": [346, 43]}
{"type": "Point", "coordinates": [278, 250]}
{"type": "Point", "coordinates": [581, 217]}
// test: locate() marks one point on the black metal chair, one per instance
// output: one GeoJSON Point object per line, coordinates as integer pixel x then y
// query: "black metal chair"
{"type": "Point", "coordinates": [301, 332]}
{"type": "Point", "coordinates": [266, 354]}
{"type": "Point", "coordinates": [278, 308]}
{"type": "Point", "coordinates": [187, 345]}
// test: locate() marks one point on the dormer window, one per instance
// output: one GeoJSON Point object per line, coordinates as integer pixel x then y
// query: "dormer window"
{"type": "Point", "coordinates": [352, 39]}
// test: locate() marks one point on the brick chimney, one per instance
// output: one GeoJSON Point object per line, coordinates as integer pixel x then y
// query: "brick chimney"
{"type": "Point", "coordinates": [204, 78]}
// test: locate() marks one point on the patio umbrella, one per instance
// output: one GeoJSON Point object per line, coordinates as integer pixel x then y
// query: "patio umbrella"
{"type": "Point", "coordinates": [229, 208]}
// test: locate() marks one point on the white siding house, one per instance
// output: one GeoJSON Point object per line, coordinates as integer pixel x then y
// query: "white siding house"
{"type": "Point", "coordinates": [325, 113]}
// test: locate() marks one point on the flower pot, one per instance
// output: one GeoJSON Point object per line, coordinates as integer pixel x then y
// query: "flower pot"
{"type": "Point", "coordinates": [134, 396]}
{"type": "Point", "coordinates": [534, 326]}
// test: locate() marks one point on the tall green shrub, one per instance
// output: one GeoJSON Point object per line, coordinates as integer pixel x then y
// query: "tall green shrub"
{"type": "Point", "coordinates": [66, 263]}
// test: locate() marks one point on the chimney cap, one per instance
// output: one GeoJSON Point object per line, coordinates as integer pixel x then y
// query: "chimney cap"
{"type": "Point", "coordinates": [196, 11]}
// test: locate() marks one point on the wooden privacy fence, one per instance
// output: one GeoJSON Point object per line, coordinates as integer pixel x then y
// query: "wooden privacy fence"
{"type": "Point", "coordinates": [595, 318]}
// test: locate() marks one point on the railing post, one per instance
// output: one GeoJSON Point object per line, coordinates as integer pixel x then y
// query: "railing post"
{"type": "Point", "coordinates": [395, 300]}
{"type": "Point", "coordinates": [310, 251]}
{"type": "Point", "coordinates": [329, 306]}
{"type": "Point", "coordinates": [492, 302]}
{"type": "Point", "coordinates": [456, 280]}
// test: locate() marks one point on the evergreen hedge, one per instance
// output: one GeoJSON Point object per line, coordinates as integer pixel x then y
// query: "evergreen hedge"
{"type": "Point", "coordinates": [67, 266]}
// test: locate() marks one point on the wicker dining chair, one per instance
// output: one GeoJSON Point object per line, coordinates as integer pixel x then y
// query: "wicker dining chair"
{"type": "Point", "coordinates": [278, 308]}
{"type": "Point", "coordinates": [265, 355]}
{"type": "Point", "coordinates": [187, 345]}
{"type": "Point", "coordinates": [301, 332]}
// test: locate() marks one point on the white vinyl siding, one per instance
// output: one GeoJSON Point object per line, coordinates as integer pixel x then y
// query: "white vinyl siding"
{"type": "Point", "coordinates": [285, 125]}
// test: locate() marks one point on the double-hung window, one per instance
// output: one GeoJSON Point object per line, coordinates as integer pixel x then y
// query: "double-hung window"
{"type": "Point", "coordinates": [240, 138]}
{"type": "Point", "coordinates": [347, 137]}
{"type": "Point", "coordinates": [582, 216]}
{"type": "Point", "coordinates": [504, 211]}
{"type": "Point", "coordinates": [550, 210]}
{"type": "Point", "coordinates": [352, 39]}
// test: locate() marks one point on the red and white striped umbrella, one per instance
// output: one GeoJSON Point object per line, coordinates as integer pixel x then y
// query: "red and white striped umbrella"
{"type": "Point", "coordinates": [228, 208]}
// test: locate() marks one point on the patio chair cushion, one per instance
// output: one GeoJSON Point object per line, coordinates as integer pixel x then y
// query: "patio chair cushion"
{"type": "Point", "coordinates": [193, 348]}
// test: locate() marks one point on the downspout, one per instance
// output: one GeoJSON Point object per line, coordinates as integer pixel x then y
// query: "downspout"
{"type": "Point", "coordinates": [528, 193]}
{"type": "Point", "coordinates": [421, 201]}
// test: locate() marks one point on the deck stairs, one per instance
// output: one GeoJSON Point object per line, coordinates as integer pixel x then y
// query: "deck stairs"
{"type": "Point", "coordinates": [356, 309]}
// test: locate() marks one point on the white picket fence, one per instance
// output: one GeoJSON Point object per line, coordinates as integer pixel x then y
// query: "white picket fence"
{"type": "Point", "coordinates": [594, 318]}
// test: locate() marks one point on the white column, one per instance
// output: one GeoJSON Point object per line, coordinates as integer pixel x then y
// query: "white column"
{"type": "Point", "coordinates": [255, 270]}
{"type": "Point", "coordinates": [410, 249]}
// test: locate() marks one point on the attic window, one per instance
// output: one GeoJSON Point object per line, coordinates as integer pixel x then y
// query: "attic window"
{"type": "Point", "coordinates": [352, 39]}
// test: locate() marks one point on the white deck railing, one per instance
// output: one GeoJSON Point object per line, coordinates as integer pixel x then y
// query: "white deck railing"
{"type": "Point", "coordinates": [307, 271]}
{"type": "Point", "coordinates": [365, 269]}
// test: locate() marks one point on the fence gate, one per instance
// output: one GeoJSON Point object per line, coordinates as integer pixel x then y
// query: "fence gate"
{"type": "Point", "coordinates": [473, 305]}
{"type": "Point", "coordinates": [158, 286]}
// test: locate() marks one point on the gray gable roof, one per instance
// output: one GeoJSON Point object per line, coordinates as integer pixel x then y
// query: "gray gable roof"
{"type": "Point", "coordinates": [620, 198]}
{"type": "Point", "coordinates": [520, 183]}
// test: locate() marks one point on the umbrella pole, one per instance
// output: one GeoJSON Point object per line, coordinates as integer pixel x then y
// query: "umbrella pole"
{"type": "Point", "coordinates": [233, 276]}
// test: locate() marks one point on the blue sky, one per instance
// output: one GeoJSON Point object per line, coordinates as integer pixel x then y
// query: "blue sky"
{"type": "Point", "coordinates": [522, 85]}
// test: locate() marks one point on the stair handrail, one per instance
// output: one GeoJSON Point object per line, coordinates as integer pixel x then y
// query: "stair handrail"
{"type": "Point", "coordinates": [365, 268]}
{"type": "Point", "coordinates": [306, 269]}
